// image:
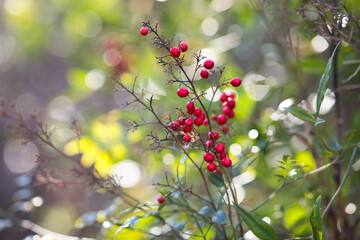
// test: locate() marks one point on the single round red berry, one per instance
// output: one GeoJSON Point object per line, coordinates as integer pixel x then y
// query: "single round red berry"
{"type": "Point", "coordinates": [226, 162]}
{"type": "Point", "coordinates": [227, 110]}
{"type": "Point", "coordinates": [231, 95]}
{"type": "Point", "coordinates": [213, 135]}
{"type": "Point", "coordinates": [203, 115]}
{"type": "Point", "coordinates": [230, 103]}
{"type": "Point", "coordinates": [197, 112]}
{"type": "Point", "coordinates": [161, 199]}
{"type": "Point", "coordinates": [231, 114]}
{"type": "Point", "coordinates": [209, 143]}
{"type": "Point", "coordinates": [221, 119]}
{"type": "Point", "coordinates": [219, 148]}
{"type": "Point", "coordinates": [211, 167]}
{"type": "Point", "coordinates": [187, 138]}
{"type": "Point", "coordinates": [218, 171]}
{"type": "Point", "coordinates": [175, 52]}
{"type": "Point", "coordinates": [191, 111]}
{"type": "Point", "coordinates": [189, 122]}
{"type": "Point", "coordinates": [144, 31]}
{"type": "Point", "coordinates": [183, 46]}
{"type": "Point", "coordinates": [174, 126]}
{"type": "Point", "coordinates": [190, 105]}
{"type": "Point", "coordinates": [208, 64]}
{"type": "Point", "coordinates": [235, 82]}
{"type": "Point", "coordinates": [198, 121]}
{"type": "Point", "coordinates": [214, 116]}
{"type": "Point", "coordinates": [225, 129]}
{"type": "Point", "coordinates": [181, 120]}
{"type": "Point", "coordinates": [204, 73]}
{"type": "Point", "coordinates": [223, 97]}
{"type": "Point", "coordinates": [186, 129]}
{"type": "Point", "coordinates": [209, 157]}
{"type": "Point", "coordinates": [206, 122]}
{"type": "Point", "coordinates": [182, 92]}
{"type": "Point", "coordinates": [223, 155]}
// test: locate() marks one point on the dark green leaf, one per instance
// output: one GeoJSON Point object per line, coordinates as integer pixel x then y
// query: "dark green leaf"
{"type": "Point", "coordinates": [324, 82]}
{"type": "Point", "coordinates": [352, 138]}
{"type": "Point", "coordinates": [322, 150]}
{"type": "Point", "coordinates": [219, 217]}
{"type": "Point", "coordinates": [316, 221]}
{"type": "Point", "coordinates": [205, 211]}
{"type": "Point", "coordinates": [300, 113]}
{"type": "Point", "coordinates": [259, 228]}
{"type": "Point", "coordinates": [319, 121]}
{"type": "Point", "coordinates": [215, 179]}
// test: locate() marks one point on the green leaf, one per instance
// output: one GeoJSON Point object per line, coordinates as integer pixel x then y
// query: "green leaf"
{"type": "Point", "coordinates": [259, 228]}
{"type": "Point", "coordinates": [324, 82]}
{"type": "Point", "coordinates": [300, 113]}
{"type": "Point", "coordinates": [319, 121]}
{"type": "Point", "coordinates": [180, 226]}
{"type": "Point", "coordinates": [352, 138]}
{"type": "Point", "coordinates": [316, 221]}
{"type": "Point", "coordinates": [205, 211]}
{"type": "Point", "coordinates": [215, 179]}
{"type": "Point", "coordinates": [130, 222]}
{"type": "Point", "coordinates": [219, 217]}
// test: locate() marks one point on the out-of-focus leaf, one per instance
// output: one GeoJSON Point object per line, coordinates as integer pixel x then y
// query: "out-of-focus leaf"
{"type": "Point", "coordinates": [352, 138]}
{"type": "Point", "coordinates": [219, 217]}
{"type": "Point", "coordinates": [259, 228]}
{"type": "Point", "coordinates": [316, 221]}
{"type": "Point", "coordinates": [205, 211]}
{"type": "Point", "coordinates": [216, 179]}
{"type": "Point", "coordinates": [324, 82]}
{"type": "Point", "coordinates": [131, 222]}
{"type": "Point", "coordinates": [300, 113]}
{"type": "Point", "coordinates": [319, 121]}
{"type": "Point", "coordinates": [322, 150]}
{"type": "Point", "coordinates": [180, 226]}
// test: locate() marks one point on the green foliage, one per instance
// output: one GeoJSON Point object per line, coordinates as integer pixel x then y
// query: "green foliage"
{"type": "Point", "coordinates": [300, 113]}
{"type": "Point", "coordinates": [316, 221]}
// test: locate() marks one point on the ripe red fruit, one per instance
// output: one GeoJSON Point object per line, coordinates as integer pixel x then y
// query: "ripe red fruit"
{"type": "Point", "coordinates": [219, 148]}
{"type": "Point", "coordinates": [204, 73]}
{"type": "Point", "coordinates": [230, 103]}
{"type": "Point", "coordinates": [190, 105]}
{"type": "Point", "coordinates": [208, 64]}
{"type": "Point", "coordinates": [198, 121]}
{"type": "Point", "coordinates": [189, 122]}
{"type": "Point", "coordinates": [225, 129]}
{"type": "Point", "coordinates": [223, 155]}
{"type": "Point", "coordinates": [175, 52]}
{"type": "Point", "coordinates": [197, 112]}
{"type": "Point", "coordinates": [206, 122]}
{"type": "Point", "coordinates": [187, 138]}
{"type": "Point", "coordinates": [209, 143]}
{"type": "Point", "coordinates": [203, 116]}
{"type": "Point", "coordinates": [227, 110]}
{"type": "Point", "coordinates": [174, 126]}
{"type": "Point", "coordinates": [223, 97]}
{"type": "Point", "coordinates": [231, 95]}
{"type": "Point", "coordinates": [182, 92]}
{"type": "Point", "coordinates": [144, 31]}
{"type": "Point", "coordinates": [181, 120]}
{"type": "Point", "coordinates": [235, 82]}
{"type": "Point", "coordinates": [214, 116]}
{"type": "Point", "coordinates": [161, 199]}
{"type": "Point", "coordinates": [211, 167]}
{"type": "Point", "coordinates": [226, 162]}
{"type": "Point", "coordinates": [209, 157]}
{"type": "Point", "coordinates": [183, 46]}
{"type": "Point", "coordinates": [191, 111]}
{"type": "Point", "coordinates": [186, 129]}
{"type": "Point", "coordinates": [231, 114]}
{"type": "Point", "coordinates": [218, 171]}
{"type": "Point", "coordinates": [221, 119]}
{"type": "Point", "coordinates": [213, 135]}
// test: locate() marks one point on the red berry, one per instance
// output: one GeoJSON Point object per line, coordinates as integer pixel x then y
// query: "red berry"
{"type": "Point", "coordinates": [219, 148]}
{"type": "Point", "coordinates": [175, 52]}
{"type": "Point", "coordinates": [209, 143]}
{"type": "Point", "coordinates": [208, 64]}
{"type": "Point", "coordinates": [198, 121]}
{"type": "Point", "coordinates": [223, 97]}
{"type": "Point", "coordinates": [231, 95]}
{"type": "Point", "coordinates": [204, 73]}
{"type": "Point", "coordinates": [203, 116]}
{"type": "Point", "coordinates": [190, 105]}
{"type": "Point", "coordinates": [223, 155]}
{"type": "Point", "coordinates": [214, 116]}
{"type": "Point", "coordinates": [230, 103]}
{"type": "Point", "coordinates": [206, 122]}
{"type": "Point", "coordinates": [211, 167]}
{"type": "Point", "coordinates": [227, 110]}
{"type": "Point", "coordinates": [161, 199]}
{"type": "Point", "coordinates": [218, 171]}
{"type": "Point", "coordinates": [189, 122]}
{"type": "Point", "coordinates": [225, 129]}
{"type": "Point", "coordinates": [144, 31]}
{"type": "Point", "coordinates": [231, 114]}
{"type": "Point", "coordinates": [191, 111]}
{"type": "Point", "coordinates": [183, 46]}
{"type": "Point", "coordinates": [221, 119]}
{"type": "Point", "coordinates": [197, 112]}
{"type": "Point", "coordinates": [174, 126]}
{"type": "Point", "coordinates": [235, 82]}
{"type": "Point", "coordinates": [213, 135]}
{"type": "Point", "coordinates": [226, 162]}
{"type": "Point", "coordinates": [182, 92]}
{"type": "Point", "coordinates": [187, 138]}
{"type": "Point", "coordinates": [186, 129]}
{"type": "Point", "coordinates": [209, 157]}
{"type": "Point", "coordinates": [181, 120]}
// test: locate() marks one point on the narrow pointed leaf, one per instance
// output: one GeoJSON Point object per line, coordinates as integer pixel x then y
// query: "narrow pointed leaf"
{"type": "Point", "coordinates": [300, 113]}
{"type": "Point", "coordinates": [324, 82]}
{"type": "Point", "coordinates": [316, 221]}
{"type": "Point", "coordinates": [352, 138]}
{"type": "Point", "coordinates": [259, 228]}
{"type": "Point", "coordinates": [215, 179]}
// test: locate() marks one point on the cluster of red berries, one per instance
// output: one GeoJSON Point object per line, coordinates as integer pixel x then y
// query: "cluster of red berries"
{"type": "Point", "coordinates": [218, 150]}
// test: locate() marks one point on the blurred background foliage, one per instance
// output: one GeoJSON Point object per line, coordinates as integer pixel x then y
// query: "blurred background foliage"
{"type": "Point", "coordinates": [55, 56]}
